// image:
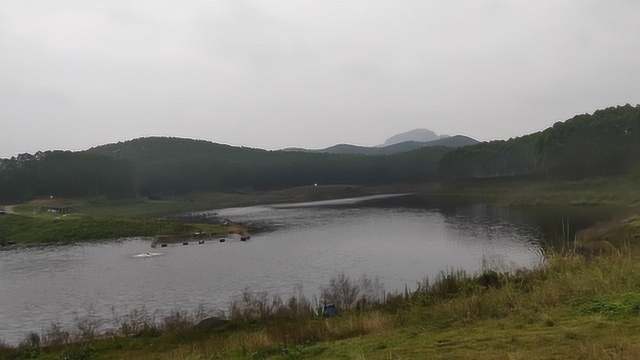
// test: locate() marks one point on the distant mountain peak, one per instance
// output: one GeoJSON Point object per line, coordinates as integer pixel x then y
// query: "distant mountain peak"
{"type": "Point", "coordinates": [443, 141]}
{"type": "Point", "coordinates": [418, 135]}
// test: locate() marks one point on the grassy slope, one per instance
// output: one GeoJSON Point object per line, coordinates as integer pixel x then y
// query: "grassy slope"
{"type": "Point", "coordinates": [620, 190]}
{"type": "Point", "coordinates": [103, 219]}
{"type": "Point", "coordinates": [30, 225]}
{"type": "Point", "coordinates": [200, 201]}
{"type": "Point", "coordinates": [81, 227]}
{"type": "Point", "coordinates": [565, 337]}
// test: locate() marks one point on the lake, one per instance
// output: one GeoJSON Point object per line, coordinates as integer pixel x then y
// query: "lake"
{"type": "Point", "coordinates": [400, 240]}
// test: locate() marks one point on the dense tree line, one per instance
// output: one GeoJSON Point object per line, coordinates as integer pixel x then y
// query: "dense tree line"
{"type": "Point", "coordinates": [160, 166]}
{"type": "Point", "coordinates": [604, 143]}
{"type": "Point", "coordinates": [65, 174]}
{"type": "Point", "coordinates": [254, 169]}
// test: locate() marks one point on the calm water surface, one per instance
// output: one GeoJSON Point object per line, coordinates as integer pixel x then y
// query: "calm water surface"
{"type": "Point", "coordinates": [310, 243]}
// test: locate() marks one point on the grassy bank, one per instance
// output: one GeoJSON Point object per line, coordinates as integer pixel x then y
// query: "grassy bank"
{"type": "Point", "coordinates": [99, 218]}
{"type": "Point", "coordinates": [573, 307]}
{"type": "Point", "coordinates": [200, 201]}
{"type": "Point", "coordinates": [80, 227]}
{"type": "Point", "coordinates": [601, 191]}
{"type": "Point", "coordinates": [96, 219]}
{"type": "Point", "coordinates": [608, 236]}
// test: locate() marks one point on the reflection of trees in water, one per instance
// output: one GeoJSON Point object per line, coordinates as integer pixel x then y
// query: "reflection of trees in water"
{"type": "Point", "coordinates": [560, 224]}
{"type": "Point", "coordinates": [538, 225]}
{"type": "Point", "coordinates": [499, 233]}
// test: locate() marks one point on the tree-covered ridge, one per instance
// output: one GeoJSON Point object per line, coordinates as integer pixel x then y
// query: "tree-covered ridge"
{"type": "Point", "coordinates": [66, 174]}
{"type": "Point", "coordinates": [152, 149]}
{"type": "Point", "coordinates": [607, 142]}
{"type": "Point", "coordinates": [604, 143]}
{"type": "Point", "coordinates": [182, 165]}
{"type": "Point", "coordinates": [159, 166]}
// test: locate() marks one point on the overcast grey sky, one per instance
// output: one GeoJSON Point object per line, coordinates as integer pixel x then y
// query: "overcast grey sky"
{"type": "Point", "coordinates": [295, 73]}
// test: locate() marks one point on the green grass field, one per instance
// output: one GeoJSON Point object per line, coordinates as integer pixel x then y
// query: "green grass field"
{"type": "Point", "coordinates": [602, 191]}
{"type": "Point", "coordinates": [81, 227]}
{"type": "Point", "coordinates": [99, 218]}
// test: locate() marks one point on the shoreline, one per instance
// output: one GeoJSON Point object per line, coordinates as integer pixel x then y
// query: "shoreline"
{"type": "Point", "coordinates": [573, 304]}
{"type": "Point", "coordinates": [127, 218]}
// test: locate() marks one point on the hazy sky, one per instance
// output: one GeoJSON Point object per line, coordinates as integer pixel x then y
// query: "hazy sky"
{"type": "Point", "coordinates": [295, 73]}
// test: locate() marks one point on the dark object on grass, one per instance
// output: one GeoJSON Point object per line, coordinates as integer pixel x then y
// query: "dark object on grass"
{"type": "Point", "coordinates": [211, 323]}
{"type": "Point", "coordinates": [330, 310]}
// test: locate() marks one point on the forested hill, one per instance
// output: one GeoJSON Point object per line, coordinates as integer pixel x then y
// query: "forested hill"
{"type": "Point", "coordinates": [604, 143]}
{"type": "Point", "coordinates": [159, 166]}
{"type": "Point", "coordinates": [182, 165]}
{"type": "Point", "coordinates": [65, 174]}
{"type": "Point", "coordinates": [167, 149]}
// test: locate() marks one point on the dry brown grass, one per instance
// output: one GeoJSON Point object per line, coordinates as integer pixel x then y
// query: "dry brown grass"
{"type": "Point", "coordinates": [369, 323]}
{"type": "Point", "coordinates": [252, 342]}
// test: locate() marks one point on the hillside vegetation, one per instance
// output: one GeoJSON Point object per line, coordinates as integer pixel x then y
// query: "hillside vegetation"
{"type": "Point", "coordinates": [155, 167]}
{"type": "Point", "coordinates": [604, 143]}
